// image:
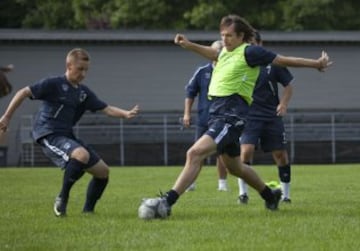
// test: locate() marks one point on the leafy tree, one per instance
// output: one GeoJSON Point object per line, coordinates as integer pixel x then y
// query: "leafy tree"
{"type": "Point", "coordinates": [11, 14]}
{"type": "Point", "coordinates": [179, 14]}
{"type": "Point", "coordinates": [321, 15]}
{"type": "Point", "coordinates": [92, 14]}
{"type": "Point", "coordinates": [47, 14]}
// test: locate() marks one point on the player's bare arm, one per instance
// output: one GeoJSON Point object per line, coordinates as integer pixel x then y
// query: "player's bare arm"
{"type": "Point", "coordinates": [281, 109]}
{"type": "Point", "coordinates": [321, 63]}
{"type": "Point", "coordinates": [7, 68]}
{"type": "Point", "coordinates": [114, 111]}
{"type": "Point", "coordinates": [203, 50]}
{"type": "Point", "coordinates": [16, 101]}
{"type": "Point", "coordinates": [187, 112]}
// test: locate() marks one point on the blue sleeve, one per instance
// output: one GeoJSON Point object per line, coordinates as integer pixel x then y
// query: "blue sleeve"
{"type": "Point", "coordinates": [93, 103]}
{"type": "Point", "coordinates": [193, 87]}
{"type": "Point", "coordinates": [283, 75]}
{"type": "Point", "coordinates": [258, 56]}
{"type": "Point", "coordinates": [43, 89]}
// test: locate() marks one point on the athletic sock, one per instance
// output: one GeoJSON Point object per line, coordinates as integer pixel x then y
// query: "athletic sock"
{"type": "Point", "coordinates": [222, 184]}
{"type": "Point", "coordinates": [285, 178]}
{"type": "Point", "coordinates": [95, 190]}
{"type": "Point", "coordinates": [74, 170]}
{"type": "Point", "coordinates": [243, 187]}
{"type": "Point", "coordinates": [171, 197]}
{"type": "Point", "coordinates": [285, 188]}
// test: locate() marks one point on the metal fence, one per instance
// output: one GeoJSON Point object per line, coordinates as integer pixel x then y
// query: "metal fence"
{"type": "Point", "coordinates": [159, 139]}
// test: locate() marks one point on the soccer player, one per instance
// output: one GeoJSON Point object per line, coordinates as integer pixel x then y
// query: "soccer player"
{"type": "Point", "coordinates": [198, 86]}
{"type": "Point", "coordinates": [265, 125]}
{"type": "Point", "coordinates": [64, 100]}
{"type": "Point", "coordinates": [231, 88]}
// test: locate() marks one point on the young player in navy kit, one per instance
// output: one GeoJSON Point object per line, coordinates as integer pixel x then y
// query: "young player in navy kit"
{"type": "Point", "coordinates": [265, 125]}
{"type": "Point", "coordinates": [64, 101]}
{"type": "Point", "coordinates": [198, 86]}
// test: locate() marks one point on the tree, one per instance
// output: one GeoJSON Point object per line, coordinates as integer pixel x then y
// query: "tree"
{"type": "Point", "coordinates": [47, 14]}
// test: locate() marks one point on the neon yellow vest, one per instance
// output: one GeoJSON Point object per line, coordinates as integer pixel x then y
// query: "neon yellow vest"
{"type": "Point", "coordinates": [232, 75]}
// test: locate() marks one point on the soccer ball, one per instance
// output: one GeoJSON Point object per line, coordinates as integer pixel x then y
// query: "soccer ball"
{"type": "Point", "coordinates": [152, 208]}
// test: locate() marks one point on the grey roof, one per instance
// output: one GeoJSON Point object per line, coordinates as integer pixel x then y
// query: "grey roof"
{"type": "Point", "coordinates": [10, 35]}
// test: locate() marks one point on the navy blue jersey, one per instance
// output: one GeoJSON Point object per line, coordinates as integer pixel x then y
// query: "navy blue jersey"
{"type": "Point", "coordinates": [265, 95]}
{"type": "Point", "coordinates": [258, 56]}
{"type": "Point", "coordinates": [62, 106]}
{"type": "Point", "coordinates": [198, 86]}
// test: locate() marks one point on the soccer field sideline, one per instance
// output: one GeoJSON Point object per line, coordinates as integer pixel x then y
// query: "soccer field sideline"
{"type": "Point", "coordinates": [324, 214]}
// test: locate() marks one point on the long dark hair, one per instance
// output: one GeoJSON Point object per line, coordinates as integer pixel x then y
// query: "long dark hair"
{"type": "Point", "coordinates": [241, 25]}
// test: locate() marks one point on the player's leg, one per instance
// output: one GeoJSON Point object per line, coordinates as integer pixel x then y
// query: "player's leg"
{"type": "Point", "coordinates": [247, 154]}
{"type": "Point", "coordinates": [100, 172]}
{"type": "Point", "coordinates": [60, 150]}
{"type": "Point", "coordinates": [284, 169]}
{"type": "Point", "coordinates": [241, 170]}
{"type": "Point", "coordinates": [202, 148]}
{"type": "Point", "coordinates": [222, 174]}
{"type": "Point", "coordinates": [194, 158]}
{"type": "Point", "coordinates": [248, 140]}
{"type": "Point", "coordinates": [274, 141]}
{"type": "Point", "coordinates": [200, 130]}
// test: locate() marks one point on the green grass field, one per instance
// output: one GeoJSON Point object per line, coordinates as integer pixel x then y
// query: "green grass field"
{"type": "Point", "coordinates": [324, 214]}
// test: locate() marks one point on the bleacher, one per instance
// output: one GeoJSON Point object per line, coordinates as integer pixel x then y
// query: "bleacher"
{"type": "Point", "coordinates": [159, 139]}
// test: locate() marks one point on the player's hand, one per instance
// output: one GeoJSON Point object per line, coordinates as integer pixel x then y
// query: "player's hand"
{"type": "Point", "coordinates": [281, 110]}
{"type": "Point", "coordinates": [324, 61]}
{"type": "Point", "coordinates": [4, 122]}
{"type": "Point", "coordinates": [181, 40]}
{"type": "Point", "coordinates": [186, 121]}
{"type": "Point", "coordinates": [133, 112]}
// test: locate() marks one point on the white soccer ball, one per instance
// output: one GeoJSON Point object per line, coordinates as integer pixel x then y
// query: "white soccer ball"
{"type": "Point", "coordinates": [152, 208]}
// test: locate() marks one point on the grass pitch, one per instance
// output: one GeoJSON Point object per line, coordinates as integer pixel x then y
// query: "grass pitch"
{"type": "Point", "coordinates": [324, 214]}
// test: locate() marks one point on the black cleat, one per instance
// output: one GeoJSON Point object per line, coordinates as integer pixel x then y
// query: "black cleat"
{"type": "Point", "coordinates": [60, 207]}
{"type": "Point", "coordinates": [243, 199]}
{"type": "Point", "coordinates": [162, 197]}
{"type": "Point", "coordinates": [286, 200]}
{"type": "Point", "coordinates": [273, 205]}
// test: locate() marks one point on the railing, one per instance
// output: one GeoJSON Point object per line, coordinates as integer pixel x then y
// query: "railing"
{"type": "Point", "coordinates": [159, 139]}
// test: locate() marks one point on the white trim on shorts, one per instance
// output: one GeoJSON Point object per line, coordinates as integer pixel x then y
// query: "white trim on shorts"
{"type": "Point", "coordinates": [57, 151]}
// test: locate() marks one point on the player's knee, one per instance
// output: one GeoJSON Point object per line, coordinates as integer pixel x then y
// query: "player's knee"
{"type": "Point", "coordinates": [193, 154]}
{"type": "Point", "coordinates": [280, 157]}
{"type": "Point", "coordinates": [100, 170]}
{"type": "Point", "coordinates": [104, 172]}
{"type": "Point", "coordinates": [80, 154]}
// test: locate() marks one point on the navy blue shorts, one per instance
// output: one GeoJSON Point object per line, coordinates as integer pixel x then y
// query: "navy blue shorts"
{"type": "Point", "coordinates": [58, 148]}
{"type": "Point", "coordinates": [226, 123]}
{"type": "Point", "coordinates": [200, 130]}
{"type": "Point", "coordinates": [269, 134]}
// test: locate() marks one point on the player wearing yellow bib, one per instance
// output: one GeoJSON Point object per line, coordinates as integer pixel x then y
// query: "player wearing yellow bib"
{"type": "Point", "coordinates": [231, 89]}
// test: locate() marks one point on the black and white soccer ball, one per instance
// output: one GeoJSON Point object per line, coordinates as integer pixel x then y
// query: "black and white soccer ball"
{"type": "Point", "coordinates": [153, 208]}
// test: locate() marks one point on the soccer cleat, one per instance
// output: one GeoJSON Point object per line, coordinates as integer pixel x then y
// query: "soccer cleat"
{"type": "Point", "coordinates": [60, 207]}
{"type": "Point", "coordinates": [273, 205]}
{"type": "Point", "coordinates": [163, 202]}
{"type": "Point", "coordinates": [243, 199]}
{"type": "Point", "coordinates": [286, 200]}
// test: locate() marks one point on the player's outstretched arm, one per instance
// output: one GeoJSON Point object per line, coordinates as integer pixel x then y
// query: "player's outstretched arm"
{"type": "Point", "coordinates": [205, 51]}
{"type": "Point", "coordinates": [322, 63]}
{"type": "Point", "coordinates": [13, 105]}
{"type": "Point", "coordinates": [117, 112]}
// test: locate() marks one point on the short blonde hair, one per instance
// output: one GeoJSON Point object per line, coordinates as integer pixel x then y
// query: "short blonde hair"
{"type": "Point", "coordinates": [77, 54]}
